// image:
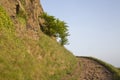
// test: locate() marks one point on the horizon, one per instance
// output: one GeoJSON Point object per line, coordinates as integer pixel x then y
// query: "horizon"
{"type": "Point", "coordinates": [94, 27]}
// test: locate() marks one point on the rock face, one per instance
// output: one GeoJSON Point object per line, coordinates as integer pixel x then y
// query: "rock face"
{"type": "Point", "coordinates": [25, 15]}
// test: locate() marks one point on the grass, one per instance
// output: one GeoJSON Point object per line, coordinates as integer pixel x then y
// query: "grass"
{"type": "Point", "coordinates": [119, 69]}
{"type": "Point", "coordinates": [55, 61]}
{"type": "Point", "coordinates": [27, 59]}
{"type": "Point", "coordinates": [15, 62]}
{"type": "Point", "coordinates": [114, 70]}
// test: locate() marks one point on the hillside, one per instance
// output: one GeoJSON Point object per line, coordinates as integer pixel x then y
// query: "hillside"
{"type": "Point", "coordinates": [25, 52]}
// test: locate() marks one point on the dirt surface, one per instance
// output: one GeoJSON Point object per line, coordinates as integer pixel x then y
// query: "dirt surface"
{"type": "Point", "coordinates": [88, 69]}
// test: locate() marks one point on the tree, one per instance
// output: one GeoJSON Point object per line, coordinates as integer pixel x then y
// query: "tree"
{"type": "Point", "coordinates": [49, 25]}
{"type": "Point", "coordinates": [62, 32]}
{"type": "Point", "coordinates": [54, 27]}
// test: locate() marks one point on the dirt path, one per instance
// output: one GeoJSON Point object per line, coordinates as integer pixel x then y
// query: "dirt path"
{"type": "Point", "coordinates": [88, 69]}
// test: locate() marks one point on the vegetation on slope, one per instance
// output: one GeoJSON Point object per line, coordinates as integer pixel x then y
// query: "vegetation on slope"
{"type": "Point", "coordinates": [54, 27]}
{"type": "Point", "coordinates": [27, 59]}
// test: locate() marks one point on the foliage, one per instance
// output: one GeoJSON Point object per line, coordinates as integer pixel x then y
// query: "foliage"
{"type": "Point", "coordinates": [5, 21]}
{"type": "Point", "coordinates": [55, 28]}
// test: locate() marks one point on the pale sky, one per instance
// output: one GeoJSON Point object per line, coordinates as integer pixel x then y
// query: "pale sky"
{"type": "Point", "coordinates": [94, 26]}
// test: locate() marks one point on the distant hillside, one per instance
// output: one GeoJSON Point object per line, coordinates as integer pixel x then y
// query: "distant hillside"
{"type": "Point", "coordinates": [25, 52]}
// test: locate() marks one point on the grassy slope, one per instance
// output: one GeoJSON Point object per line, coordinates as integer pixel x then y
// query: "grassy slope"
{"type": "Point", "coordinates": [26, 59]}
{"type": "Point", "coordinates": [114, 70]}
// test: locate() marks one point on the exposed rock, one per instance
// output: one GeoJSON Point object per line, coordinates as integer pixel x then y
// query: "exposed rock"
{"type": "Point", "coordinates": [26, 12]}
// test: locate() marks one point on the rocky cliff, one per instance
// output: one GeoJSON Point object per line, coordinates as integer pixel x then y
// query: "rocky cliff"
{"type": "Point", "coordinates": [27, 12]}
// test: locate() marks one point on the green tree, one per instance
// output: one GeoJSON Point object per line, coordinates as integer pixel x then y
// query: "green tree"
{"type": "Point", "coordinates": [54, 27]}
{"type": "Point", "coordinates": [62, 31]}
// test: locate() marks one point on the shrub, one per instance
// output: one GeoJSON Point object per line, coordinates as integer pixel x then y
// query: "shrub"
{"type": "Point", "coordinates": [54, 27]}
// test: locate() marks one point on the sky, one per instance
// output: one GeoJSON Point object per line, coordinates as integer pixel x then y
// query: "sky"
{"type": "Point", "coordinates": [94, 26]}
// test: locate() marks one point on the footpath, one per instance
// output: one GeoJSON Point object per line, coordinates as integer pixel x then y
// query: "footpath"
{"type": "Point", "coordinates": [88, 69]}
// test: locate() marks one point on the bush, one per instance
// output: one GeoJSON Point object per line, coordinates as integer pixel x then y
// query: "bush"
{"type": "Point", "coordinates": [54, 27]}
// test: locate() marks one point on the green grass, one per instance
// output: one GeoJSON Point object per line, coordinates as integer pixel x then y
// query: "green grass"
{"type": "Point", "coordinates": [114, 70]}
{"type": "Point", "coordinates": [27, 59]}
{"type": "Point", "coordinates": [119, 69]}
{"type": "Point", "coordinates": [15, 62]}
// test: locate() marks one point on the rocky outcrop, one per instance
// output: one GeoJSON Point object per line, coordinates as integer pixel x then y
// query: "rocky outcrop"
{"type": "Point", "coordinates": [25, 15]}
